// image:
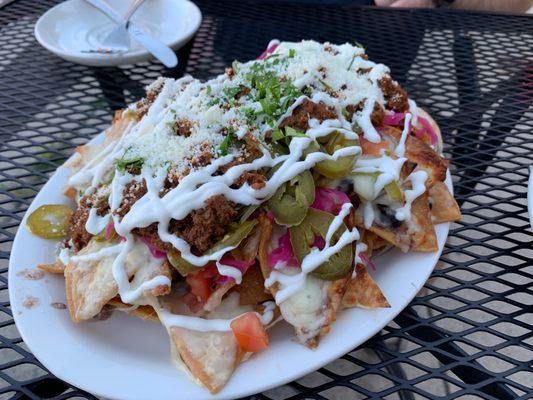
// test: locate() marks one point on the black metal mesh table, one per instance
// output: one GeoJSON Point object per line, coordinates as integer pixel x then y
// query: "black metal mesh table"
{"type": "Point", "coordinates": [468, 332]}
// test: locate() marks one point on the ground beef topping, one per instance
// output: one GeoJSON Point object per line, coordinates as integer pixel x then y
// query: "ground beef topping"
{"type": "Point", "coordinates": [377, 115]}
{"type": "Point", "coordinates": [304, 112]}
{"type": "Point", "coordinates": [200, 229]}
{"type": "Point", "coordinates": [183, 127]}
{"type": "Point", "coordinates": [133, 191]}
{"type": "Point", "coordinates": [205, 226]}
{"type": "Point", "coordinates": [99, 200]}
{"type": "Point", "coordinates": [204, 156]}
{"type": "Point", "coordinates": [80, 237]}
{"type": "Point", "coordinates": [395, 96]}
{"type": "Point", "coordinates": [144, 104]}
{"type": "Point", "coordinates": [253, 178]}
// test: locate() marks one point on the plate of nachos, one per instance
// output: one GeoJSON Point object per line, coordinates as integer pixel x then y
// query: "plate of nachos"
{"type": "Point", "coordinates": [244, 230]}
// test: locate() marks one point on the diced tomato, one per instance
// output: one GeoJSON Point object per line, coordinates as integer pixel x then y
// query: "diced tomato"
{"type": "Point", "coordinates": [209, 271]}
{"type": "Point", "coordinates": [372, 149]}
{"type": "Point", "coordinates": [200, 285]}
{"type": "Point", "coordinates": [249, 332]}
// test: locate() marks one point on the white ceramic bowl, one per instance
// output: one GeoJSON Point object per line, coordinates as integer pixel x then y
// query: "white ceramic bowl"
{"type": "Point", "coordinates": [74, 26]}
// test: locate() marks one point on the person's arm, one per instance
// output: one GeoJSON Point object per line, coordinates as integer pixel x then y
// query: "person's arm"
{"type": "Point", "coordinates": [488, 5]}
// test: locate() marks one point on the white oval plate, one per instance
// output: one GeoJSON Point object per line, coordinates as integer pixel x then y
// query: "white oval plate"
{"type": "Point", "coordinates": [127, 358]}
{"type": "Point", "coordinates": [74, 26]}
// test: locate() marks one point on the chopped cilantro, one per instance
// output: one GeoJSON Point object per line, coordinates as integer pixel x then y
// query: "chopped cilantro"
{"type": "Point", "coordinates": [345, 113]}
{"type": "Point", "coordinates": [291, 53]}
{"type": "Point", "coordinates": [235, 65]}
{"type": "Point", "coordinates": [351, 62]}
{"type": "Point", "coordinates": [307, 91]}
{"type": "Point", "coordinates": [130, 164]}
{"type": "Point", "coordinates": [274, 94]}
{"type": "Point", "coordinates": [230, 92]}
{"type": "Point", "coordinates": [277, 134]}
{"type": "Point", "coordinates": [248, 113]}
{"type": "Point", "coordinates": [209, 90]}
{"type": "Point", "coordinates": [326, 86]}
{"type": "Point", "coordinates": [291, 132]}
{"type": "Point", "coordinates": [213, 101]}
{"type": "Point", "coordinates": [223, 149]}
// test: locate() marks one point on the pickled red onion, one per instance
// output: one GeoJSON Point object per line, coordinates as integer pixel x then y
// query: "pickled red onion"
{"type": "Point", "coordinates": [109, 230]}
{"type": "Point", "coordinates": [283, 253]}
{"type": "Point", "coordinates": [268, 51]}
{"type": "Point", "coordinates": [154, 250]}
{"type": "Point", "coordinates": [231, 261]}
{"type": "Point", "coordinates": [329, 200]}
{"type": "Point", "coordinates": [430, 131]}
{"type": "Point", "coordinates": [319, 242]}
{"type": "Point", "coordinates": [393, 119]}
{"type": "Point", "coordinates": [367, 261]}
{"type": "Point", "coordinates": [419, 133]}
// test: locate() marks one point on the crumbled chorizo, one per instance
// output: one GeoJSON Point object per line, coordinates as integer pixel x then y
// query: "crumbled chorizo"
{"type": "Point", "coordinates": [205, 226]}
{"type": "Point", "coordinates": [253, 178]}
{"type": "Point", "coordinates": [79, 235]}
{"type": "Point", "coordinates": [377, 115]}
{"type": "Point", "coordinates": [183, 127]}
{"type": "Point", "coordinates": [395, 96]}
{"type": "Point", "coordinates": [133, 191]}
{"type": "Point", "coordinates": [144, 104]}
{"type": "Point", "coordinates": [304, 112]}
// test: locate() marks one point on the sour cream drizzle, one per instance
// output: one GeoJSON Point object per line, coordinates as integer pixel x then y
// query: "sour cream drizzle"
{"type": "Point", "coordinates": [400, 148]}
{"type": "Point", "coordinates": [418, 181]}
{"type": "Point", "coordinates": [228, 270]}
{"type": "Point", "coordinates": [359, 248]}
{"type": "Point", "coordinates": [205, 324]}
{"type": "Point", "coordinates": [96, 223]}
{"type": "Point", "coordinates": [288, 285]}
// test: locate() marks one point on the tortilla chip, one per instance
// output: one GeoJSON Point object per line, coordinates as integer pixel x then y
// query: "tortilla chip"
{"type": "Point", "coordinates": [420, 153]}
{"type": "Point", "coordinates": [396, 237]}
{"type": "Point", "coordinates": [417, 235]}
{"type": "Point", "coordinates": [444, 208]}
{"type": "Point", "coordinates": [362, 291]}
{"type": "Point", "coordinates": [147, 272]}
{"type": "Point", "coordinates": [424, 114]}
{"type": "Point", "coordinates": [211, 357]}
{"type": "Point", "coordinates": [265, 226]}
{"type": "Point", "coordinates": [90, 284]}
{"type": "Point", "coordinates": [252, 288]}
{"type": "Point", "coordinates": [56, 268]}
{"type": "Point", "coordinates": [373, 242]}
{"type": "Point", "coordinates": [336, 292]}
{"type": "Point", "coordinates": [143, 312]}
{"type": "Point", "coordinates": [423, 236]}
{"type": "Point", "coordinates": [71, 193]}
{"type": "Point", "coordinates": [216, 297]}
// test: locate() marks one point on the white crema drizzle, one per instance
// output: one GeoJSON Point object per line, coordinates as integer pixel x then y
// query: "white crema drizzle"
{"type": "Point", "coordinates": [206, 324]}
